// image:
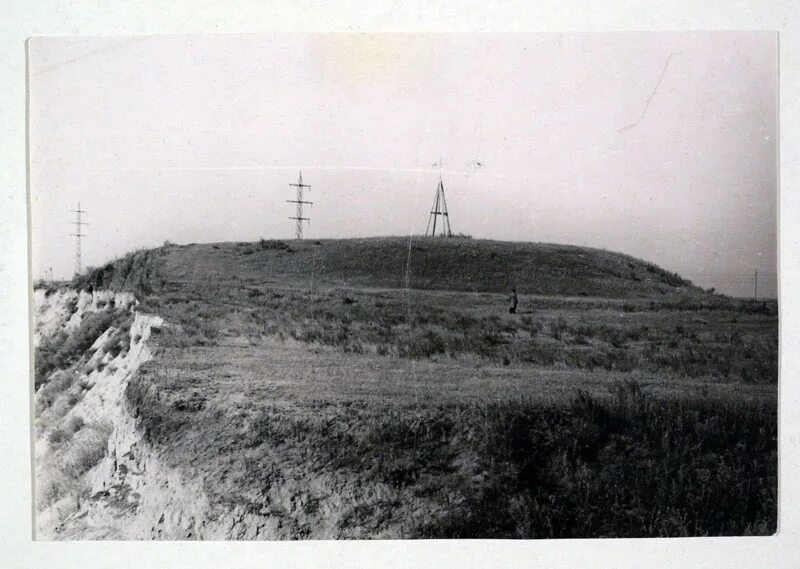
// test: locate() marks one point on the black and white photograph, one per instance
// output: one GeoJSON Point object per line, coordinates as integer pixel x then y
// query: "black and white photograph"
{"type": "Point", "coordinates": [404, 286]}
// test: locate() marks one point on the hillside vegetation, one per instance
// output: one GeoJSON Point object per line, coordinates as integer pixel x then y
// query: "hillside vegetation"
{"type": "Point", "coordinates": [379, 388]}
{"type": "Point", "coordinates": [326, 293]}
{"type": "Point", "coordinates": [395, 262]}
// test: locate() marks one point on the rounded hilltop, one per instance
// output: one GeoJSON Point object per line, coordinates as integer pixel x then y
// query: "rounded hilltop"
{"type": "Point", "coordinates": [458, 264]}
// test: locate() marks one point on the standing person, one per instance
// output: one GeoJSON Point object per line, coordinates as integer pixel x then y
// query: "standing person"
{"type": "Point", "coordinates": [513, 308]}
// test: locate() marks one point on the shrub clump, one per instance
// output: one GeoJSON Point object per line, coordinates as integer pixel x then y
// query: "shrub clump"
{"type": "Point", "coordinates": [136, 272]}
{"type": "Point", "coordinates": [59, 383]}
{"type": "Point", "coordinates": [273, 244]}
{"type": "Point", "coordinates": [62, 350]}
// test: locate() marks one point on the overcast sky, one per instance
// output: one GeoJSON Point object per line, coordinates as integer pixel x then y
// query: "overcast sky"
{"type": "Point", "coordinates": [662, 146]}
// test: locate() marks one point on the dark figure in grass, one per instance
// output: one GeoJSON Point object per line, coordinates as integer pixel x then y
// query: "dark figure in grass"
{"type": "Point", "coordinates": [513, 308]}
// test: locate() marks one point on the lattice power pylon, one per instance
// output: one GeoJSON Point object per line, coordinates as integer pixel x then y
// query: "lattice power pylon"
{"type": "Point", "coordinates": [78, 235]}
{"type": "Point", "coordinates": [439, 209]}
{"type": "Point", "coordinates": [299, 201]}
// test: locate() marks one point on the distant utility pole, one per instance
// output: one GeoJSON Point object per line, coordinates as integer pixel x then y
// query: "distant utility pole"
{"type": "Point", "coordinates": [439, 209]}
{"type": "Point", "coordinates": [755, 285]}
{"type": "Point", "coordinates": [299, 201]}
{"type": "Point", "coordinates": [78, 235]}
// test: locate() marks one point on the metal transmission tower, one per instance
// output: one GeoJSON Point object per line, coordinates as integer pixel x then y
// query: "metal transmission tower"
{"type": "Point", "coordinates": [78, 235]}
{"type": "Point", "coordinates": [439, 209]}
{"type": "Point", "coordinates": [299, 201]}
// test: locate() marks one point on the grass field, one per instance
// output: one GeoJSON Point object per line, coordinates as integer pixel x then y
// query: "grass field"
{"type": "Point", "coordinates": [417, 448]}
{"type": "Point", "coordinates": [365, 388]}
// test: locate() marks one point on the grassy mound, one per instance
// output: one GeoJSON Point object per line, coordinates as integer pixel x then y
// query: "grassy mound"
{"type": "Point", "coordinates": [395, 262]}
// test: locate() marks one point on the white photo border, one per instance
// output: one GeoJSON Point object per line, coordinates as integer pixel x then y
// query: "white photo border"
{"type": "Point", "coordinates": [23, 19]}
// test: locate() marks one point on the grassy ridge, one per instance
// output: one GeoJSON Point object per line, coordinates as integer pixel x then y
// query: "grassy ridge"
{"type": "Point", "coordinates": [394, 262]}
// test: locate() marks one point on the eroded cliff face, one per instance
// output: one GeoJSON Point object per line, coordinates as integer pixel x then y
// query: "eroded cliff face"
{"type": "Point", "coordinates": [92, 466]}
{"type": "Point", "coordinates": [96, 475]}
